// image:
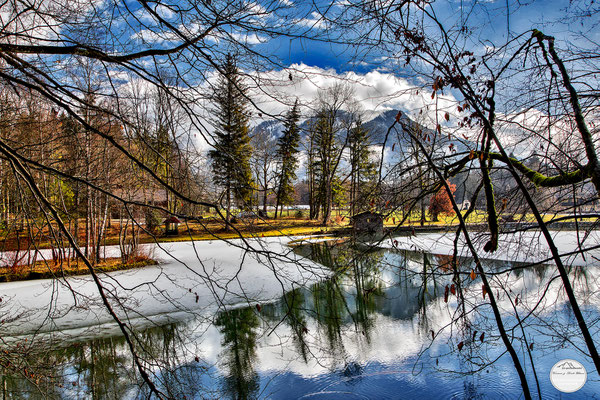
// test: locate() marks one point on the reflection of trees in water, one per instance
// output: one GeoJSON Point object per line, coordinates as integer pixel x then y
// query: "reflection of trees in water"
{"type": "Point", "coordinates": [239, 330]}
{"type": "Point", "coordinates": [103, 369]}
{"type": "Point", "coordinates": [294, 305]}
{"type": "Point", "coordinates": [29, 375]}
{"type": "Point", "coordinates": [328, 311]}
{"type": "Point", "coordinates": [180, 371]}
{"type": "Point", "coordinates": [367, 283]}
{"type": "Point", "coordinates": [353, 296]}
{"type": "Point", "coordinates": [349, 296]}
{"type": "Point", "coordinates": [415, 284]}
{"type": "Point", "coordinates": [402, 285]}
{"type": "Point", "coordinates": [97, 369]}
{"type": "Point", "coordinates": [323, 320]}
{"type": "Point", "coordinates": [581, 282]}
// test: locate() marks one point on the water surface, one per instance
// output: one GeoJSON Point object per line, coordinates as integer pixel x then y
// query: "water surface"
{"type": "Point", "coordinates": [372, 324]}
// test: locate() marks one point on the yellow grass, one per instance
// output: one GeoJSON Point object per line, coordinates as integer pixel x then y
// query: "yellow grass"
{"type": "Point", "coordinates": [52, 269]}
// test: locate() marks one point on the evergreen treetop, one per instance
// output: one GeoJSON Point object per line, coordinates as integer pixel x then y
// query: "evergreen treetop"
{"type": "Point", "coordinates": [232, 151]}
{"type": "Point", "coordinates": [287, 150]}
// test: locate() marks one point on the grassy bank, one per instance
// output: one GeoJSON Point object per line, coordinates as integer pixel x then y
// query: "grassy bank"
{"type": "Point", "coordinates": [208, 229]}
{"type": "Point", "coordinates": [51, 269]}
{"type": "Point", "coordinates": [211, 228]}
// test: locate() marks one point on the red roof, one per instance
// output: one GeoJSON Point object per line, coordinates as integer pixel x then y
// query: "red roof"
{"type": "Point", "coordinates": [172, 220]}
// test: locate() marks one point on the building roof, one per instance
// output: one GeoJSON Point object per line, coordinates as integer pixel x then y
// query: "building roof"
{"type": "Point", "coordinates": [172, 220]}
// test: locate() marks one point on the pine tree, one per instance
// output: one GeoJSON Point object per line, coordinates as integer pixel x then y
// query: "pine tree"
{"type": "Point", "coordinates": [326, 162]}
{"type": "Point", "coordinates": [363, 170]}
{"type": "Point", "coordinates": [287, 150]}
{"type": "Point", "coordinates": [231, 155]}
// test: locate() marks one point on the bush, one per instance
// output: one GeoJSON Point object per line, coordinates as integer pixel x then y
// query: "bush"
{"type": "Point", "coordinates": [299, 214]}
{"type": "Point", "coordinates": [152, 220]}
{"type": "Point", "coordinates": [441, 203]}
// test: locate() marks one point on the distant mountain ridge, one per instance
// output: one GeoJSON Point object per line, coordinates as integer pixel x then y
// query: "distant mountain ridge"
{"type": "Point", "coordinates": [377, 127]}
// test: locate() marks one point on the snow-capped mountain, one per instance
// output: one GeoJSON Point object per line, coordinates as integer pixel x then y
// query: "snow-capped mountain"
{"type": "Point", "coordinates": [378, 127]}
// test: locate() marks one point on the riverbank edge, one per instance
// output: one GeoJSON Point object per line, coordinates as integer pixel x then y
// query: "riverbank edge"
{"type": "Point", "coordinates": [69, 272]}
{"type": "Point", "coordinates": [339, 232]}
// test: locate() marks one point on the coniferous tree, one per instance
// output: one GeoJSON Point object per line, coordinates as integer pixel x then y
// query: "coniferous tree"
{"type": "Point", "coordinates": [363, 172]}
{"type": "Point", "coordinates": [328, 155]}
{"type": "Point", "coordinates": [287, 150]}
{"type": "Point", "coordinates": [231, 155]}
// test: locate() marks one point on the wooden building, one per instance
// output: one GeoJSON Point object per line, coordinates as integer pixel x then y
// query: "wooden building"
{"type": "Point", "coordinates": [172, 225]}
{"type": "Point", "coordinates": [367, 222]}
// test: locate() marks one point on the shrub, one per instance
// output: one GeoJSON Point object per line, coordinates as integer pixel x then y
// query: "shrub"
{"type": "Point", "coordinates": [152, 220]}
{"type": "Point", "coordinates": [441, 203]}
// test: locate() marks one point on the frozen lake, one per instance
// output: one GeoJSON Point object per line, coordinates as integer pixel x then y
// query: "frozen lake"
{"type": "Point", "coordinates": [191, 278]}
{"type": "Point", "coordinates": [343, 321]}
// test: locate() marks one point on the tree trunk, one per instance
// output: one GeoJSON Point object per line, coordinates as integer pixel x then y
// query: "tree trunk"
{"type": "Point", "coordinates": [102, 228]}
{"type": "Point", "coordinates": [228, 207]}
{"type": "Point", "coordinates": [266, 191]}
{"type": "Point", "coordinates": [327, 205]}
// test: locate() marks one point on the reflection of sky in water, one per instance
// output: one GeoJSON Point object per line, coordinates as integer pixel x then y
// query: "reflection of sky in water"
{"type": "Point", "coordinates": [366, 333]}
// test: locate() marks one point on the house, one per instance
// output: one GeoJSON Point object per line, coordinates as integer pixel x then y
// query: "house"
{"type": "Point", "coordinates": [172, 225]}
{"type": "Point", "coordinates": [367, 222]}
{"type": "Point", "coordinates": [151, 195]}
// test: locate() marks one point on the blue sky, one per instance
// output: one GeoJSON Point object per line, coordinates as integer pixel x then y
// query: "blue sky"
{"type": "Point", "coordinates": [488, 19]}
{"type": "Point", "coordinates": [391, 85]}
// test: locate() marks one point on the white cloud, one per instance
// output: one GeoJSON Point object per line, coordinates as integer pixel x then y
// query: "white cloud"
{"type": "Point", "coordinates": [147, 18]}
{"type": "Point", "coordinates": [375, 91]}
{"type": "Point", "coordinates": [249, 38]}
{"type": "Point", "coordinates": [256, 8]}
{"type": "Point", "coordinates": [164, 11]}
{"type": "Point", "coordinates": [43, 21]}
{"type": "Point", "coordinates": [315, 21]}
{"type": "Point", "coordinates": [532, 131]}
{"type": "Point", "coordinates": [274, 93]}
{"type": "Point", "coordinates": [193, 30]}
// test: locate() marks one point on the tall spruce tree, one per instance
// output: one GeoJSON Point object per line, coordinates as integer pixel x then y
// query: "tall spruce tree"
{"type": "Point", "coordinates": [327, 160]}
{"type": "Point", "coordinates": [363, 174]}
{"type": "Point", "coordinates": [287, 150]}
{"type": "Point", "coordinates": [232, 151]}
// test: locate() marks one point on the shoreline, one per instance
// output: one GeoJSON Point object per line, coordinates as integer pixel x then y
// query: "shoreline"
{"type": "Point", "coordinates": [47, 270]}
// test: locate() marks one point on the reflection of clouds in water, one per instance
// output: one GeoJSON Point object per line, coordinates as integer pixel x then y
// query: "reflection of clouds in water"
{"type": "Point", "coordinates": [377, 315]}
{"type": "Point", "coordinates": [391, 342]}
